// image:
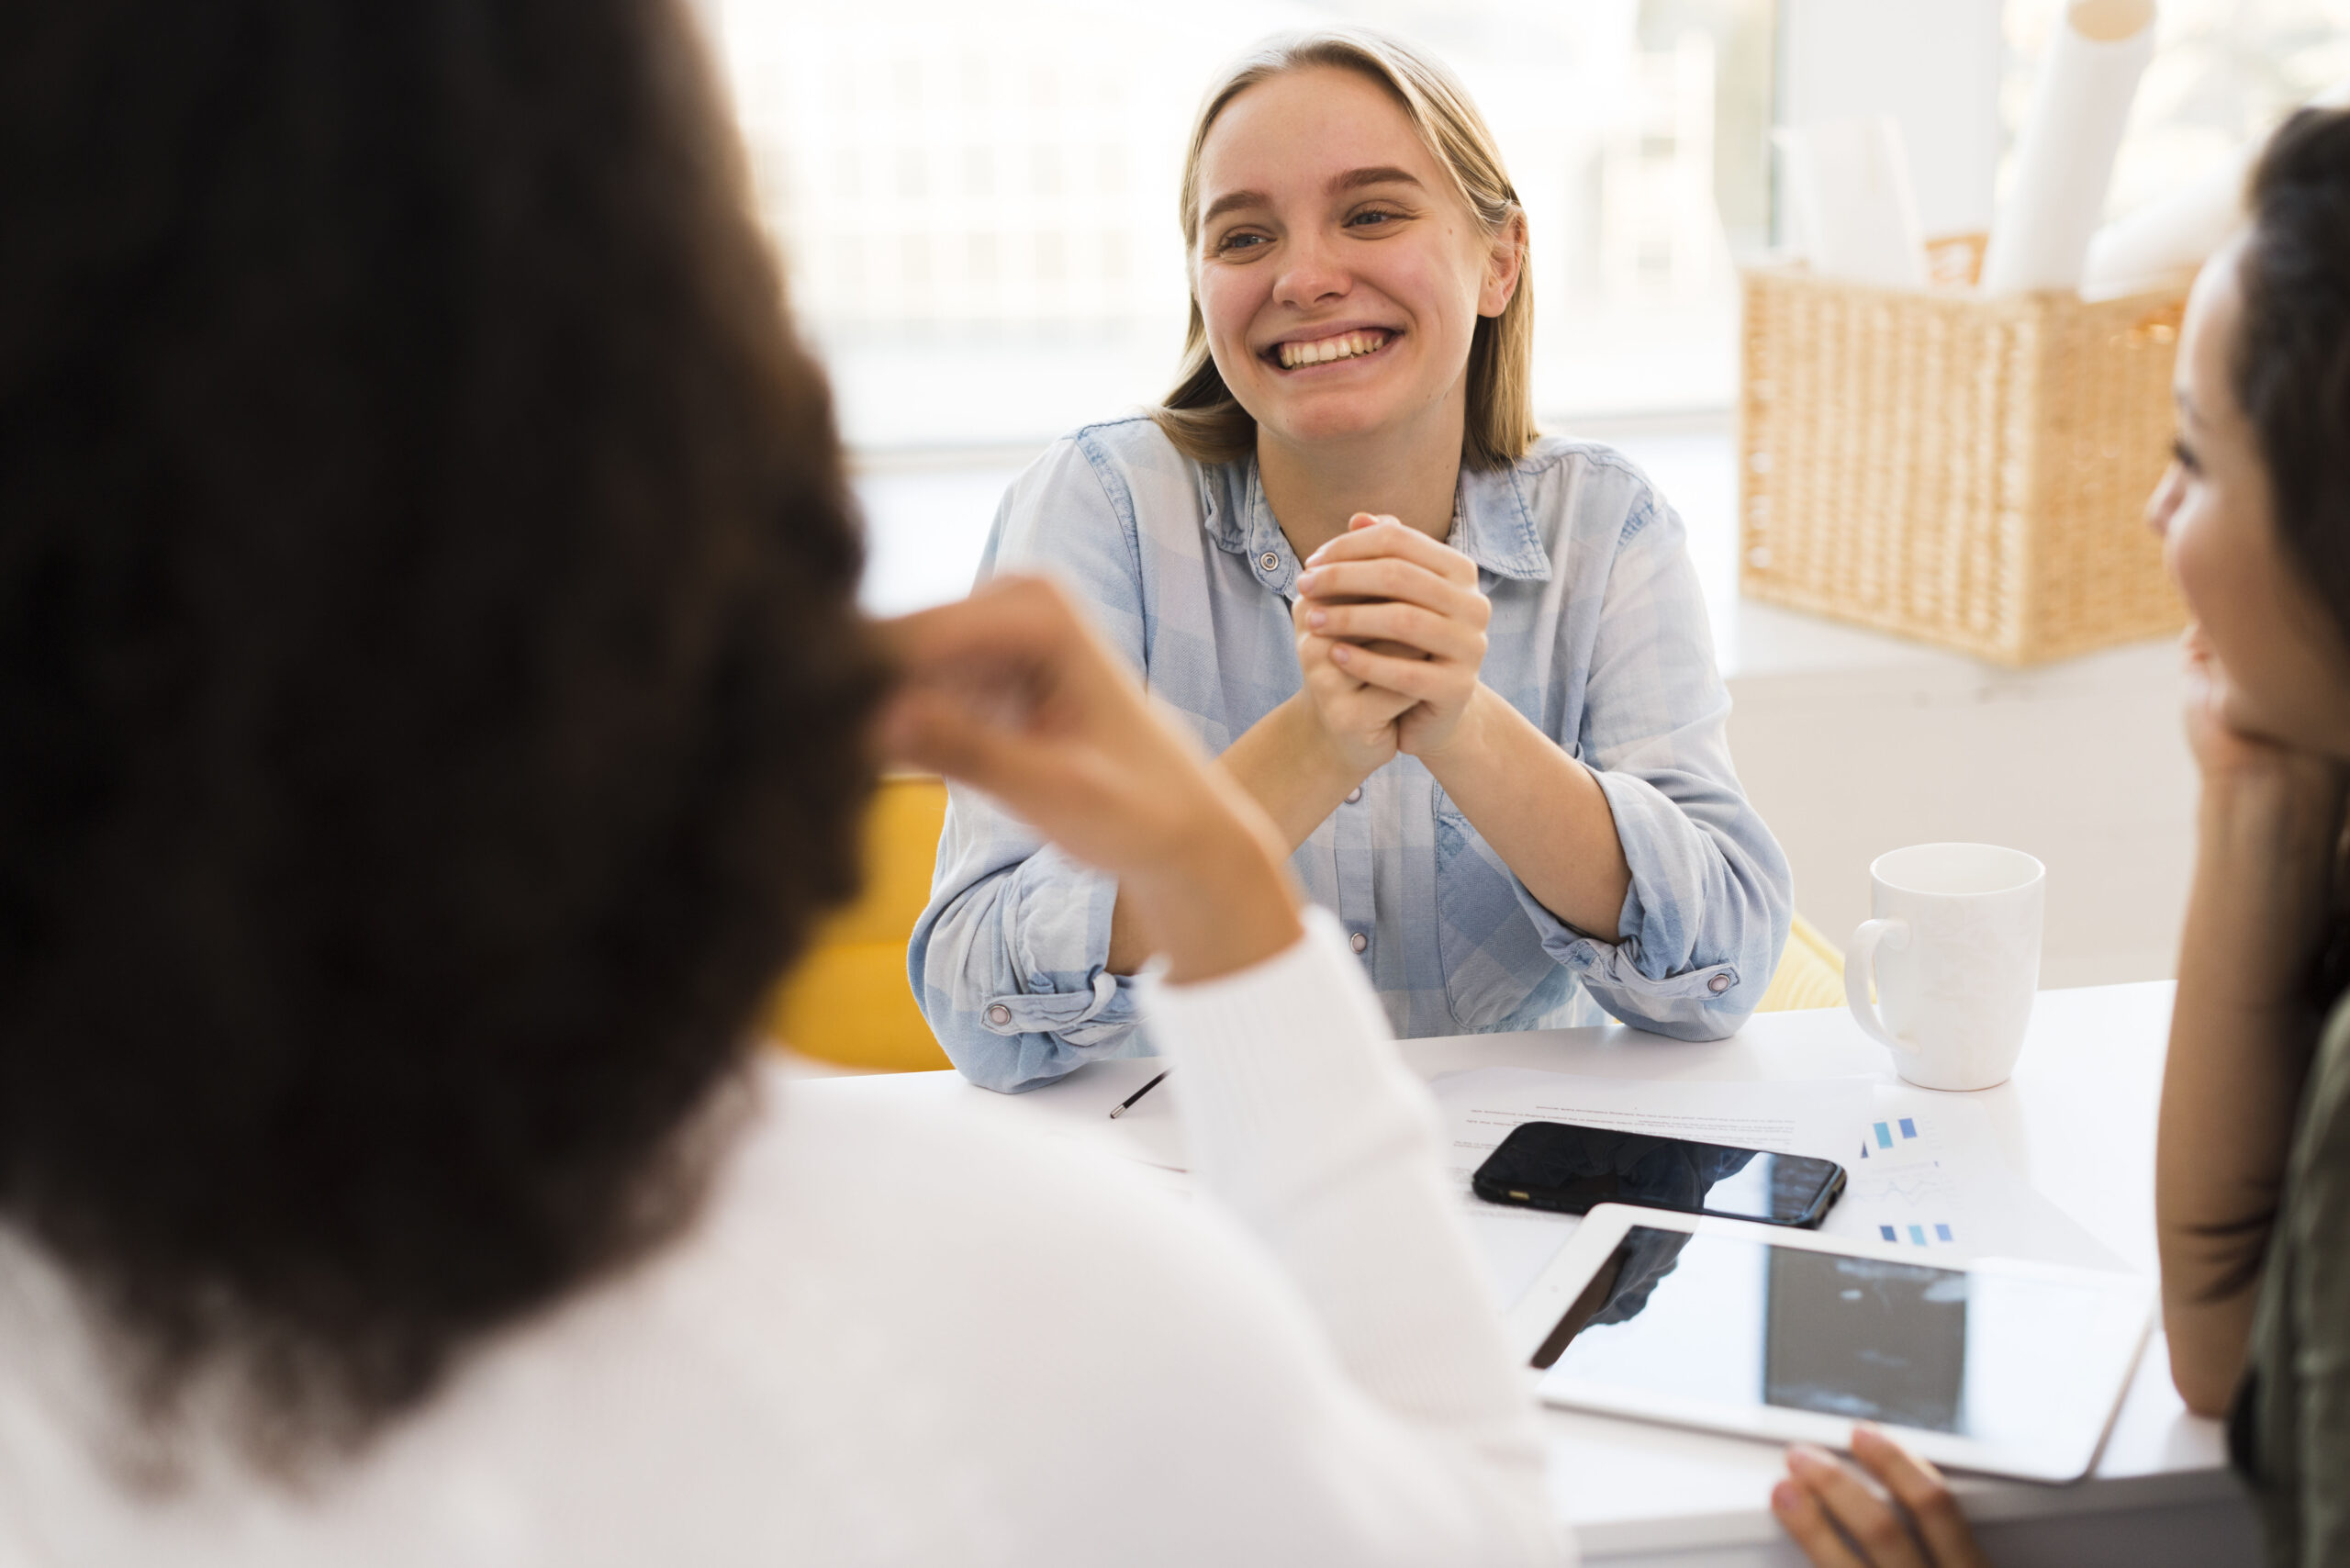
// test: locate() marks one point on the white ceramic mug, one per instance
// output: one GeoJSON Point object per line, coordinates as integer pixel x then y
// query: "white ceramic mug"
{"type": "Point", "coordinates": [1954, 957]}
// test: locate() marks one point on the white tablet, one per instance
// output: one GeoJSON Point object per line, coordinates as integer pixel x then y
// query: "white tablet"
{"type": "Point", "coordinates": [2008, 1367]}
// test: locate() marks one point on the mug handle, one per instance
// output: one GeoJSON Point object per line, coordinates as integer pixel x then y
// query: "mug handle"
{"type": "Point", "coordinates": [1860, 976]}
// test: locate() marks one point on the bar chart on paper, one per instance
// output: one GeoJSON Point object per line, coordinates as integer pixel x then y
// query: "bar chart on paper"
{"type": "Point", "coordinates": [1926, 1175]}
{"type": "Point", "coordinates": [1901, 1187]}
{"type": "Point", "coordinates": [1890, 1135]}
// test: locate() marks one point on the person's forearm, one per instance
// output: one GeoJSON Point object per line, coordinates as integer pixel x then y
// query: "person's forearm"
{"type": "Point", "coordinates": [2241, 1033]}
{"type": "Point", "coordinates": [1304, 1122]}
{"type": "Point", "coordinates": [1290, 771]}
{"type": "Point", "coordinates": [1225, 904]}
{"type": "Point", "coordinates": [1543, 813]}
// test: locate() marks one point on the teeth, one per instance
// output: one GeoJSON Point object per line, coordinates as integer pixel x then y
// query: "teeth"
{"type": "Point", "coordinates": [1346, 345]}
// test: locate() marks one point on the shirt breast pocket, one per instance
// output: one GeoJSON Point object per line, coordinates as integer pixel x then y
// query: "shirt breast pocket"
{"type": "Point", "coordinates": [1491, 953]}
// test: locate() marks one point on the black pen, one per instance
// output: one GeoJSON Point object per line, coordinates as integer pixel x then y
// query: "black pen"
{"type": "Point", "coordinates": [1128, 1103]}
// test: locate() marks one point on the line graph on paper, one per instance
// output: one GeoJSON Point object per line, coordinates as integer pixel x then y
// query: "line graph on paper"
{"type": "Point", "coordinates": [1901, 1187]}
{"type": "Point", "coordinates": [1918, 1208]}
{"type": "Point", "coordinates": [1928, 1177]}
{"type": "Point", "coordinates": [1916, 1187]}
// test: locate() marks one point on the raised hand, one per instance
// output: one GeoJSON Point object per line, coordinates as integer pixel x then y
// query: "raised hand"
{"type": "Point", "coordinates": [2225, 751]}
{"type": "Point", "coordinates": [1010, 691]}
{"type": "Point", "coordinates": [1399, 615]}
{"type": "Point", "coordinates": [1899, 1514]}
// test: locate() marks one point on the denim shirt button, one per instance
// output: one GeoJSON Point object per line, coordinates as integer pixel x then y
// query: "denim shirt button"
{"type": "Point", "coordinates": [1354, 796]}
{"type": "Point", "coordinates": [1270, 561]}
{"type": "Point", "coordinates": [1719, 984]}
{"type": "Point", "coordinates": [999, 1014]}
{"type": "Point", "coordinates": [1359, 941]}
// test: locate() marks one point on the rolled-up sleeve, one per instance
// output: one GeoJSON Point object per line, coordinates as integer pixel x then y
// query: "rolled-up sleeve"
{"type": "Point", "coordinates": [1010, 958]}
{"type": "Point", "coordinates": [1710, 899]}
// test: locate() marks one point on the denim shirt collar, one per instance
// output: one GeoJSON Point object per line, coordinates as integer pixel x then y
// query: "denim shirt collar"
{"type": "Point", "coordinates": [1490, 524]}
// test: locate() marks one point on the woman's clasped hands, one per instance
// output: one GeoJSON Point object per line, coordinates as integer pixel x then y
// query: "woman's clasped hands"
{"type": "Point", "coordinates": [1391, 636]}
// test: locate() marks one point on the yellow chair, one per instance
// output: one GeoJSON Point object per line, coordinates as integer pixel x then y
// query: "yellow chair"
{"type": "Point", "coordinates": [848, 1000]}
{"type": "Point", "coordinates": [1811, 973]}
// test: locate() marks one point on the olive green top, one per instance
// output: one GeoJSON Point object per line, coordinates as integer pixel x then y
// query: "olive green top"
{"type": "Point", "coordinates": [2288, 1431]}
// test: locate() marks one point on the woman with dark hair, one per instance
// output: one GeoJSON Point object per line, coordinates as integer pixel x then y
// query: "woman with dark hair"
{"type": "Point", "coordinates": [2253, 1167]}
{"type": "Point", "coordinates": [432, 712]}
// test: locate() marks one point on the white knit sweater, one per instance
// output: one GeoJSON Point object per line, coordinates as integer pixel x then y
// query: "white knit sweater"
{"type": "Point", "coordinates": [838, 1363]}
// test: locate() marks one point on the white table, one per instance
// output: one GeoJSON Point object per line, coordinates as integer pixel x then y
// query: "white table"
{"type": "Point", "coordinates": [2077, 1123]}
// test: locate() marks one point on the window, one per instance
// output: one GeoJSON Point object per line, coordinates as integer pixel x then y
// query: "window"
{"type": "Point", "coordinates": [977, 204]}
{"type": "Point", "coordinates": [2224, 72]}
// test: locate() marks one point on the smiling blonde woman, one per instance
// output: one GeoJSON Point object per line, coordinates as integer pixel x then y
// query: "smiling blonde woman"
{"type": "Point", "coordinates": [1464, 667]}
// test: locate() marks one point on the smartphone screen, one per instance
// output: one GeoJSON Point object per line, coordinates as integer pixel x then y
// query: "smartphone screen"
{"type": "Point", "coordinates": [1556, 1165]}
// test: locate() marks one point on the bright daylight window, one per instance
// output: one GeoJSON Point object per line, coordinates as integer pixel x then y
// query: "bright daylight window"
{"type": "Point", "coordinates": [976, 204]}
{"type": "Point", "coordinates": [2223, 72]}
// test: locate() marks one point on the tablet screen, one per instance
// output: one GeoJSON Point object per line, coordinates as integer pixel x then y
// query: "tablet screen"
{"type": "Point", "coordinates": [1994, 1357]}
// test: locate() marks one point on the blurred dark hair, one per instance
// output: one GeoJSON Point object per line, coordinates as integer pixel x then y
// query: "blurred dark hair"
{"type": "Point", "coordinates": [431, 692]}
{"type": "Point", "coordinates": [2292, 351]}
{"type": "Point", "coordinates": [2291, 371]}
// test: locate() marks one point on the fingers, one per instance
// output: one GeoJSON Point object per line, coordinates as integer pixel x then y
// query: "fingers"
{"type": "Point", "coordinates": [1009, 690]}
{"type": "Point", "coordinates": [1017, 654]}
{"type": "Point", "coordinates": [2195, 657]}
{"type": "Point", "coordinates": [1422, 680]}
{"type": "Point", "coordinates": [1347, 701]}
{"type": "Point", "coordinates": [1870, 1521]}
{"type": "Point", "coordinates": [1018, 651]}
{"type": "Point", "coordinates": [1392, 621]}
{"type": "Point", "coordinates": [1390, 576]}
{"type": "Point", "coordinates": [942, 733]}
{"type": "Point", "coordinates": [1919, 1488]}
{"type": "Point", "coordinates": [1800, 1515]}
{"type": "Point", "coordinates": [1008, 620]}
{"type": "Point", "coordinates": [1368, 537]}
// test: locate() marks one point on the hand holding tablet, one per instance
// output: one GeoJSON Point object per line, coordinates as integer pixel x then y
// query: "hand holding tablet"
{"type": "Point", "coordinates": [2007, 1367]}
{"type": "Point", "coordinates": [1906, 1519]}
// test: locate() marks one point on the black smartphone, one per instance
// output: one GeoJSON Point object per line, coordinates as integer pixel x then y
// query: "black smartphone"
{"type": "Point", "coordinates": [1559, 1166]}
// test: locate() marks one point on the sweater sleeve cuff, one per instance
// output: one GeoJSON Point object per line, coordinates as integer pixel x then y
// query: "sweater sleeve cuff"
{"type": "Point", "coordinates": [1285, 1068]}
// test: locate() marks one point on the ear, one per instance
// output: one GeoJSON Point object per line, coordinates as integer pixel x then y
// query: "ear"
{"type": "Point", "coordinates": [1504, 265]}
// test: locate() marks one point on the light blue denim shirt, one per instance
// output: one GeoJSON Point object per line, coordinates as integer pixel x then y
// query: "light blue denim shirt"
{"type": "Point", "coordinates": [1598, 635]}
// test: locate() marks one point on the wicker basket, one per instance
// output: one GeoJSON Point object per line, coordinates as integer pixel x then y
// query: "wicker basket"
{"type": "Point", "coordinates": [1968, 472]}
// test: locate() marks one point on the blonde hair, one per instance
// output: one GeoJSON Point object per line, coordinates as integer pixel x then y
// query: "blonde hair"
{"type": "Point", "coordinates": [1201, 416]}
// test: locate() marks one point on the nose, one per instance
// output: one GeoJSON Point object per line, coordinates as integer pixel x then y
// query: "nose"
{"type": "Point", "coordinates": [1311, 272]}
{"type": "Point", "coordinates": [2163, 505]}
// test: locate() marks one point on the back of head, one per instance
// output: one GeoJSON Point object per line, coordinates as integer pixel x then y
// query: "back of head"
{"type": "Point", "coordinates": [2292, 354]}
{"type": "Point", "coordinates": [430, 687]}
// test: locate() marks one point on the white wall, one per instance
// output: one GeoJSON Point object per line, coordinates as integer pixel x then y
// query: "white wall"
{"type": "Point", "coordinates": [2083, 764]}
{"type": "Point", "coordinates": [1934, 65]}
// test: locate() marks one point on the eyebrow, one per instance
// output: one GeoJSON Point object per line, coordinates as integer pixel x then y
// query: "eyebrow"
{"type": "Point", "coordinates": [1353, 179]}
{"type": "Point", "coordinates": [2186, 405]}
{"type": "Point", "coordinates": [1231, 201]}
{"type": "Point", "coordinates": [1383, 174]}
